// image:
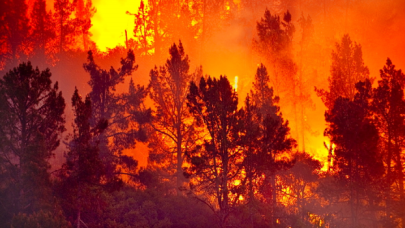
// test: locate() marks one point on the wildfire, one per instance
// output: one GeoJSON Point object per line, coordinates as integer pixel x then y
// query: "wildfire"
{"type": "Point", "coordinates": [235, 84]}
{"type": "Point", "coordinates": [110, 22]}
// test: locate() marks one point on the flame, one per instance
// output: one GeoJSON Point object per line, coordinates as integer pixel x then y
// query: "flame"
{"type": "Point", "coordinates": [110, 22]}
{"type": "Point", "coordinates": [235, 84]}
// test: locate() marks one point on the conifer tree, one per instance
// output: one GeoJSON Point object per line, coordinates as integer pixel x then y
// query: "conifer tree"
{"type": "Point", "coordinates": [43, 31]}
{"type": "Point", "coordinates": [216, 165]}
{"type": "Point", "coordinates": [357, 163]}
{"type": "Point", "coordinates": [388, 104]}
{"type": "Point", "coordinates": [65, 24]}
{"type": "Point", "coordinates": [143, 29]}
{"type": "Point", "coordinates": [125, 119]}
{"type": "Point", "coordinates": [84, 12]}
{"type": "Point", "coordinates": [31, 123]}
{"type": "Point", "coordinates": [169, 87]}
{"type": "Point", "coordinates": [273, 138]}
{"type": "Point", "coordinates": [81, 176]}
{"type": "Point", "coordinates": [274, 45]}
{"type": "Point", "coordinates": [346, 70]}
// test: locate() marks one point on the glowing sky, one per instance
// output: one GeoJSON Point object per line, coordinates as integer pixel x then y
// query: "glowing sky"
{"type": "Point", "coordinates": [110, 22]}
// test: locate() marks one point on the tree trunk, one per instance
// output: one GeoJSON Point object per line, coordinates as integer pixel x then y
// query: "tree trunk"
{"type": "Point", "coordinates": [399, 170]}
{"type": "Point", "coordinates": [179, 158]}
{"type": "Point", "coordinates": [388, 192]}
{"type": "Point", "coordinates": [78, 218]}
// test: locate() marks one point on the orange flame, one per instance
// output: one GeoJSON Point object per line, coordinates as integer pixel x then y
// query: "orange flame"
{"type": "Point", "coordinates": [110, 22]}
{"type": "Point", "coordinates": [235, 84]}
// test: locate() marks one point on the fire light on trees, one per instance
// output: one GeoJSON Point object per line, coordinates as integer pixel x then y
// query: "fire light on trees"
{"type": "Point", "coordinates": [307, 130]}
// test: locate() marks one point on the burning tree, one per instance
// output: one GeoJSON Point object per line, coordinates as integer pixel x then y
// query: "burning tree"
{"type": "Point", "coordinates": [123, 112]}
{"type": "Point", "coordinates": [84, 12]}
{"type": "Point", "coordinates": [274, 45]}
{"type": "Point", "coordinates": [239, 159]}
{"type": "Point", "coordinates": [272, 140]}
{"type": "Point", "coordinates": [346, 70]}
{"type": "Point", "coordinates": [14, 31]}
{"type": "Point", "coordinates": [389, 107]}
{"type": "Point", "coordinates": [169, 87]}
{"type": "Point", "coordinates": [217, 164]}
{"type": "Point", "coordinates": [357, 164]}
{"type": "Point", "coordinates": [143, 29]}
{"type": "Point", "coordinates": [65, 23]}
{"type": "Point", "coordinates": [43, 32]}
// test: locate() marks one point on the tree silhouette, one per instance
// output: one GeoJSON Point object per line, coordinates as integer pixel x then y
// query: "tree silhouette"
{"type": "Point", "coordinates": [274, 45]}
{"type": "Point", "coordinates": [169, 87]}
{"type": "Point", "coordinates": [43, 30]}
{"type": "Point", "coordinates": [65, 24]}
{"type": "Point", "coordinates": [31, 111]}
{"type": "Point", "coordinates": [143, 29]}
{"type": "Point", "coordinates": [84, 12]}
{"type": "Point", "coordinates": [388, 104]}
{"type": "Point", "coordinates": [299, 190]}
{"type": "Point", "coordinates": [357, 160]}
{"type": "Point", "coordinates": [122, 111]}
{"type": "Point", "coordinates": [217, 164]}
{"type": "Point", "coordinates": [274, 137]}
{"type": "Point", "coordinates": [305, 71]}
{"type": "Point", "coordinates": [83, 174]}
{"type": "Point", "coordinates": [346, 70]}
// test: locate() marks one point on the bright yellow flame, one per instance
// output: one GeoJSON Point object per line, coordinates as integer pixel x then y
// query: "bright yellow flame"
{"type": "Point", "coordinates": [330, 149]}
{"type": "Point", "coordinates": [235, 84]}
{"type": "Point", "coordinates": [110, 22]}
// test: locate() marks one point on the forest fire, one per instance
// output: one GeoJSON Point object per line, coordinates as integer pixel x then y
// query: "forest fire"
{"type": "Point", "coordinates": [235, 83]}
{"type": "Point", "coordinates": [110, 22]}
{"type": "Point", "coordinates": [202, 113]}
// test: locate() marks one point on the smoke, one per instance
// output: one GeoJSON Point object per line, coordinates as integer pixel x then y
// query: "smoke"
{"type": "Point", "coordinates": [377, 25]}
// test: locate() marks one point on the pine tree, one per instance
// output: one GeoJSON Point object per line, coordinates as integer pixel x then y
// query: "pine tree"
{"type": "Point", "coordinates": [357, 162]}
{"type": "Point", "coordinates": [304, 80]}
{"type": "Point", "coordinates": [84, 12]}
{"type": "Point", "coordinates": [31, 111]}
{"type": "Point", "coordinates": [43, 31]}
{"type": "Point", "coordinates": [388, 104]}
{"type": "Point", "coordinates": [66, 26]}
{"type": "Point", "coordinates": [274, 45]}
{"type": "Point", "coordinates": [346, 70]}
{"type": "Point", "coordinates": [83, 174]}
{"type": "Point", "coordinates": [143, 29]}
{"type": "Point", "coordinates": [122, 115]}
{"type": "Point", "coordinates": [169, 87]}
{"type": "Point", "coordinates": [271, 140]}
{"type": "Point", "coordinates": [216, 165]}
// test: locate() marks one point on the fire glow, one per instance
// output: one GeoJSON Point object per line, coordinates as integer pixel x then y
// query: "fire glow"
{"type": "Point", "coordinates": [110, 22]}
{"type": "Point", "coordinates": [232, 113]}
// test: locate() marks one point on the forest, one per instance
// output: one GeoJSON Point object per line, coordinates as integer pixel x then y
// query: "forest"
{"type": "Point", "coordinates": [202, 113]}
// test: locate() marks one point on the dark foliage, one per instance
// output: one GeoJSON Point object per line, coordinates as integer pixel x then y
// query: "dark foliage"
{"type": "Point", "coordinates": [31, 123]}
